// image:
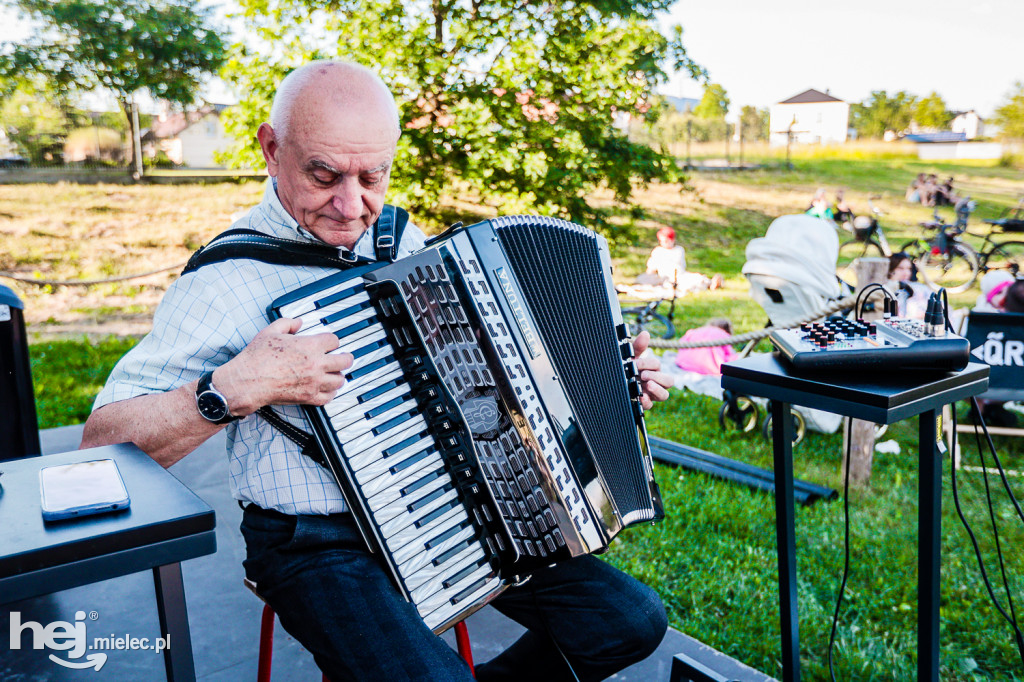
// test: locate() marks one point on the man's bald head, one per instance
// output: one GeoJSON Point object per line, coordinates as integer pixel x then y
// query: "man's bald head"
{"type": "Point", "coordinates": [329, 146]}
{"type": "Point", "coordinates": [327, 86]}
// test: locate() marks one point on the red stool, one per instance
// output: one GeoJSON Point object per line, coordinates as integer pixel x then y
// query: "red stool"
{"type": "Point", "coordinates": [267, 640]}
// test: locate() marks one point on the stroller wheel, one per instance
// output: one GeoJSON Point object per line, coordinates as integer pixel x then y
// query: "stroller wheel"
{"type": "Point", "coordinates": [799, 427]}
{"type": "Point", "coordinates": [739, 413]}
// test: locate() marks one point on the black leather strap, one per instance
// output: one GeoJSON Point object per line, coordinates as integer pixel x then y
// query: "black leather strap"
{"type": "Point", "coordinates": [306, 442]}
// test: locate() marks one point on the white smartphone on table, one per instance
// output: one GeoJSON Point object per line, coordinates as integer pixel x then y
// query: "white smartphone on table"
{"type": "Point", "coordinates": [82, 489]}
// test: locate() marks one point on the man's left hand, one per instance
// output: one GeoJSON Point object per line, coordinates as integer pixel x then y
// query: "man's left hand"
{"type": "Point", "coordinates": [654, 384]}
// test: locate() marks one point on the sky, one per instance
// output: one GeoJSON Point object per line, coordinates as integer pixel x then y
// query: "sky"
{"type": "Point", "coordinates": [765, 51]}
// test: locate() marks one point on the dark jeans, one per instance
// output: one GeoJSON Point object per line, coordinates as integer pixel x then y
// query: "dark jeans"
{"type": "Point", "coordinates": [334, 597]}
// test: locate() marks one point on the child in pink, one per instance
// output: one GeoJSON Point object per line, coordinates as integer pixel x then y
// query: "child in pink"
{"type": "Point", "coordinates": [706, 360]}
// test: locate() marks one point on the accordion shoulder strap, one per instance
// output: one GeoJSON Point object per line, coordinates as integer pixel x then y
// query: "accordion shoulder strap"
{"type": "Point", "coordinates": [246, 243]}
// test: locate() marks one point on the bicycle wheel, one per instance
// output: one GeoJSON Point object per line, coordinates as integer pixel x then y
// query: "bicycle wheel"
{"type": "Point", "coordinates": [639, 319]}
{"type": "Point", "coordinates": [1007, 256]}
{"type": "Point", "coordinates": [849, 252]}
{"type": "Point", "coordinates": [954, 271]}
{"type": "Point", "coordinates": [741, 414]}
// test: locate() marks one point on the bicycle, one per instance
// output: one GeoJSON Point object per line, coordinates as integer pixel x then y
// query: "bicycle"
{"type": "Point", "coordinates": [868, 241]}
{"type": "Point", "coordinates": [647, 317]}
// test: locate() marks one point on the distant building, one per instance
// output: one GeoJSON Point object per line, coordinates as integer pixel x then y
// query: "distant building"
{"type": "Point", "coordinates": [812, 117]}
{"type": "Point", "coordinates": [188, 138]}
{"type": "Point", "coordinates": [969, 123]}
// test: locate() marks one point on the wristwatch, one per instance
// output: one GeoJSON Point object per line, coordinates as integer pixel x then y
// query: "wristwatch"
{"type": "Point", "coordinates": [212, 404]}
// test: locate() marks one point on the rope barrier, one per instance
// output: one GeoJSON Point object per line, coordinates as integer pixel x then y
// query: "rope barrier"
{"type": "Point", "coordinates": [86, 282]}
{"type": "Point", "coordinates": [759, 334]}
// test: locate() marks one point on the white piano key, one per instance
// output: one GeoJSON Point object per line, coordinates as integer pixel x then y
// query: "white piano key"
{"type": "Point", "coordinates": [427, 555]}
{"type": "Point", "coordinates": [368, 451]}
{"type": "Point", "coordinates": [303, 306]}
{"type": "Point", "coordinates": [443, 596]}
{"type": "Point", "coordinates": [340, 410]}
{"type": "Point", "coordinates": [362, 338]}
{"type": "Point", "coordinates": [429, 578]}
{"type": "Point", "coordinates": [314, 318]}
{"type": "Point", "coordinates": [369, 440]}
{"type": "Point", "coordinates": [386, 373]}
{"type": "Point", "coordinates": [382, 489]}
{"type": "Point", "coordinates": [349, 431]}
{"type": "Point", "coordinates": [406, 522]}
{"type": "Point", "coordinates": [351, 399]}
{"type": "Point", "coordinates": [448, 610]}
{"type": "Point", "coordinates": [399, 460]}
{"type": "Point", "coordinates": [407, 545]}
{"type": "Point", "coordinates": [400, 506]}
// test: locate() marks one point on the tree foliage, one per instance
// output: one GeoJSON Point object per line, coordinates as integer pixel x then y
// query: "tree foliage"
{"type": "Point", "coordinates": [714, 103]}
{"type": "Point", "coordinates": [163, 47]}
{"type": "Point", "coordinates": [1010, 114]}
{"type": "Point", "coordinates": [881, 112]}
{"type": "Point", "coordinates": [931, 111]}
{"type": "Point", "coordinates": [754, 123]}
{"type": "Point", "coordinates": [510, 101]}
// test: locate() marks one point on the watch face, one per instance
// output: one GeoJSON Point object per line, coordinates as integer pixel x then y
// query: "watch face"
{"type": "Point", "coordinates": [212, 406]}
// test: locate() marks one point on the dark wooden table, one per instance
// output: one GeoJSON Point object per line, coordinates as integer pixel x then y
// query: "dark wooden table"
{"type": "Point", "coordinates": [883, 398]}
{"type": "Point", "coordinates": [166, 524]}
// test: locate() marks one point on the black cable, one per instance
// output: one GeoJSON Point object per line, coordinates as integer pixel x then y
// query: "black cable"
{"type": "Point", "coordinates": [866, 291]}
{"type": "Point", "coordinates": [846, 546]}
{"type": "Point", "coordinates": [974, 542]}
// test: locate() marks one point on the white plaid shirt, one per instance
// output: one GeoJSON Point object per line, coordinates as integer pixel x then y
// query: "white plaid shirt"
{"type": "Point", "coordinates": [205, 319]}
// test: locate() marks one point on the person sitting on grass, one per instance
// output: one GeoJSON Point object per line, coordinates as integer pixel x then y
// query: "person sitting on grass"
{"type": "Point", "coordinates": [819, 207]}
{"type": "Point", "coordinates": [667, 267]}
{"type": "Point", "coordinates": [706, 360]}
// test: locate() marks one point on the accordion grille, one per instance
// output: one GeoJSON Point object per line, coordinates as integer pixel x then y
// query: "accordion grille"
{"type": "Point", "coordinates": [558, 267]}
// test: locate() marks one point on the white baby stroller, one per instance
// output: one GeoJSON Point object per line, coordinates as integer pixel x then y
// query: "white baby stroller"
{"type": "Point", "coordinates": [792, 268]}
{"type": "Point", "coordinates": [792, 274]}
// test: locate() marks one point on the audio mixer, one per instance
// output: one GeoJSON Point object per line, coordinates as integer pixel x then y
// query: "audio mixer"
{"type": "Point", "coordinates": [894, 343]}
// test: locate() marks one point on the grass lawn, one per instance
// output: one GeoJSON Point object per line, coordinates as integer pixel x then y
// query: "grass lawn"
{"type": "Point", "coordinates": [713, 559]}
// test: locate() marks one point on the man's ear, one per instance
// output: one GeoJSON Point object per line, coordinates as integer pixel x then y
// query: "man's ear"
{"type": "Point", "coordinates": [268, 143]}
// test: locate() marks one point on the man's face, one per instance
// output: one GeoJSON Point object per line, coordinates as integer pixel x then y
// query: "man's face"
{"type": "Point", "coordinates": [666, 241]}
{"type": "Point", "coordinates": [332, 169]}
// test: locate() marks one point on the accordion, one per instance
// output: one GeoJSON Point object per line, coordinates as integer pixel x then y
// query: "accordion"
{"type": "Point", "coordinates": [490, 424]}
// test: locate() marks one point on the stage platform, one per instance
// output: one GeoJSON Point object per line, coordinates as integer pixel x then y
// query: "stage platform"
{"type": "Point", "coordinates": [224, 616]}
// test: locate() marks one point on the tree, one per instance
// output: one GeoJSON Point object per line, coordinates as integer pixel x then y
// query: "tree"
{"type": "Point", "coordinates": [880, 112]}
{"type": "Point", "coordinates": [714, 104]}
{"type": "Point", "coordinates": [511, 102]}
{"type": "Point", "coordinates": [754, 123]}
{"type": "Point", "coordinates": [931, 112]}
{"type": "Point", "coordinates": [1010, 114]}
{"type": "Point", "coordinates": [163, 47]}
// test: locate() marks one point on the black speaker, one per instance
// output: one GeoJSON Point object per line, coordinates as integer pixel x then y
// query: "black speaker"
{"type": "Point", "coordinates": [19, 430]}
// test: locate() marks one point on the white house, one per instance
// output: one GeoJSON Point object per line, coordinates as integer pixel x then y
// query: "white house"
{"type": "Point", "coordinates": [188, 138]}
{"type": "Point", "coordinates": [969, 123]}
{"type": "Point", "coordinates": [811, 117]}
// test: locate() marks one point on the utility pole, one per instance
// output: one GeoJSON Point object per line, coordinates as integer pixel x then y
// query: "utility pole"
{"type": "Point", "coordinates": [137, 141]}
{"type": "Point", "coordinates": [689, 134]}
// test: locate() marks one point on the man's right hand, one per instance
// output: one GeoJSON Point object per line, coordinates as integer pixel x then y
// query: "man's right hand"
{"type": "Point", "coordinates": [280, 368]}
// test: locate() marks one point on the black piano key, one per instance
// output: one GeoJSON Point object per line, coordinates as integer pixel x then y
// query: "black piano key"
{"type": "Point", "coordinates": [469, 590]}
{"type": "Point", "coordinates": [398, 447]}
{"type": "Point", "coordinates": [445, 556]}
{"type": "Point", "coordinates": [419, 483]}
{"type": "Point", "coordinates": [369, 348]}
{"type": "Point", "coordinates": [406, 463]}
{"type": "Point", "coordinates": [339, 295]}
{"type": "Point", "coordinates": [384, 407]}
{"type": "Point", "coordinates": [379, 390]}
{"type": "Point", "coordinates": [450, 533]}
{"type": "Point", "coordinates": [342, 314]}
{"type": "Point", "coordinates": [427, 499]}
{"type": "Point", "coordinates": [464, 573]}
{"type": "Point", "coordinates": [366, 369]}
{"type": "Point", "coordinates": [392, 423]}
{"type": "Point", "coordinates": [437, 513]}
{"type": "Point", "coordinates": [353, 328]}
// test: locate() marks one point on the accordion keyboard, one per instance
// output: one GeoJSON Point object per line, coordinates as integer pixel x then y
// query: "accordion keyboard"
{"type": "Point", "coordinates": [394, 455]}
